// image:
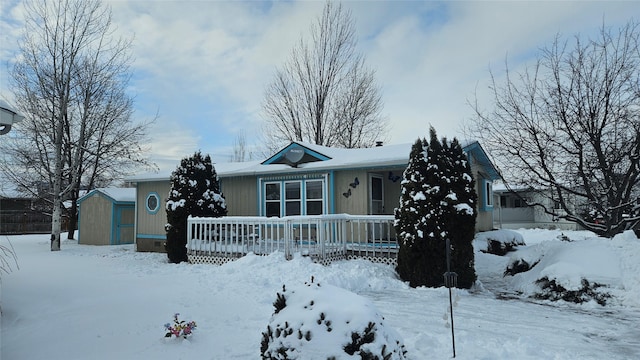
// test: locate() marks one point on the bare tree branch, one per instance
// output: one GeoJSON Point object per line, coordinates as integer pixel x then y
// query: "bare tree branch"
{"type": "Point", "coordinates": [324, 93]}
{"type": "Point", "coordinates": [70, 81]}
{"type": "Point", "coordinates": [569, 127]}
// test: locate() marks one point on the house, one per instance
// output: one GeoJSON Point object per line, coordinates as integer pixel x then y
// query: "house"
{"type": "Point", "coordinates": [512, 210]}
{"type": "Point", "coordinates": [307, 179]}
{"type": "Point", "coordinates": [106, 216]}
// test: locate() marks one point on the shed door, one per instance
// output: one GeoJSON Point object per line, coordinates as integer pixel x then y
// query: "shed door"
{"type": "Point", "coordinates": [125, 217]}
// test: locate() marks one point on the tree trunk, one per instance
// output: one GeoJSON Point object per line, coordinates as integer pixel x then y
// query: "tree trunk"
{"type": "Point", "coordinates": [73, 219]}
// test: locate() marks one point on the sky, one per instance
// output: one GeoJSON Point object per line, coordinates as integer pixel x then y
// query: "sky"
{"type": "Point", "coordinates": [202, 66]}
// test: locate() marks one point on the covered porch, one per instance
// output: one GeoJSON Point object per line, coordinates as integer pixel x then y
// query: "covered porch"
{"type": "Point", "coordinates": [324, 238]}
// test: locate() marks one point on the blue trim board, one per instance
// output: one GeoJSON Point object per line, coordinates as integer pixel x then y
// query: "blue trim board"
{"type": "Point", "coordinates": [151, 236]}
{"type": "Point", "coordinates": [483, 159]}
{"type": "Point", "coordinates": [331, 198]}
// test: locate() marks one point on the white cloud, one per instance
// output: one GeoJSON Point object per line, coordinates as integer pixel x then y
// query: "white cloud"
{"type": "Point", "coordinates": [203, 65]}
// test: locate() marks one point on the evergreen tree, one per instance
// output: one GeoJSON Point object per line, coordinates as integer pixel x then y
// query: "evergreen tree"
{"type": "Point", "coordinates": [437, 202]}
{"type": "Point", "coordinates": [195, 191]}
{"type": "Point", "coordinates": [411, 220]}
{"type": "Point", "coordinates": [460, 204]}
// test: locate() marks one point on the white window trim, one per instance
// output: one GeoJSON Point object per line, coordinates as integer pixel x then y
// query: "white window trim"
{"type": "Point", "coordinates": [303, 194]}
{"type": "Point", "coordinates": [146, 203]}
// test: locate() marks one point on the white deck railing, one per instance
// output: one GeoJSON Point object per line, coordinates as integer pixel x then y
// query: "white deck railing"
{"type": "Point", "coordinates": [323, 237]}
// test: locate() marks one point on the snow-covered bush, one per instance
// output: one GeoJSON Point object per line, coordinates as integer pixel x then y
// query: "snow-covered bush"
{"type": "Point", "coordinates": [577, 271]}
{"type": "Point", "coordinates": [551, 290]}
{"type": "Point", "coordinates": [321, 321]}
{"type": "Point", "coordinates": [195, 191]}
{"type": "Point", "coordinates": [518, 266]}
{"type": "Point", "coordinates": [499, 242]}
{"type": "Point", "coordinates": [437, 202]}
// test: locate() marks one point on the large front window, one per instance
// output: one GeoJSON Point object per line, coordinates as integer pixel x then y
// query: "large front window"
{"type": "Point", "coordinates": [293, 197]}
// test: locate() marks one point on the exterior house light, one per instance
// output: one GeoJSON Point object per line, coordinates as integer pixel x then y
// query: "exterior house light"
{"type": "Point", "coordinates": [8, 117]}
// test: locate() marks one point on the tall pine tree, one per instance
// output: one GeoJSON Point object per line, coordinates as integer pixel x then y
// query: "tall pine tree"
{"type": "Point", "coordinates": [411, 218]}
{"type": "Point", "coordinates": [195, 191]}
{"type": "Point", "coordinates": [437, 202]}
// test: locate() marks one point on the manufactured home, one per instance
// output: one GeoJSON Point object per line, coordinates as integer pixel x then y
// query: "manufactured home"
{"type": "Point", "coordinates": [308, 180]}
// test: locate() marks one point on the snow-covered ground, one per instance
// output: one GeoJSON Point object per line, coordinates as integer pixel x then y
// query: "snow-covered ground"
{"type": "Point", "coordinates": [88, 302]}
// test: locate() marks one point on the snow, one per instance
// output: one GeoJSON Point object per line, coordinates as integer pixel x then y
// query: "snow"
{"type": "Point", "coordinates": [117, 194]}
{"type": "Point", "coordinates": [464, 207]}
{"type": "Point", "coordinates": [419, 196]}
{"type": "Point", "coordinates": [112, 302]}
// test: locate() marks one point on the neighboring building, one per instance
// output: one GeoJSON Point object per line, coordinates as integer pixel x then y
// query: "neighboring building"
{"type": "Point", "coordinates": [512, 211]}
{"type": "Point", "coordinates": [24, 215]}
{"type": "Point", "coordinates": [106, 217]}
{"type": "Point", "coordinates": [307, 179]}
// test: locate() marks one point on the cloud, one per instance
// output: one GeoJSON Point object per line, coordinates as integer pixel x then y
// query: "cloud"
{"type": "Point", "coordinates": [204, 65]}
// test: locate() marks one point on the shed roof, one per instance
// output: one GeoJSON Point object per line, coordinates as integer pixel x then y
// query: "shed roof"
{"type": "Point", "coordinates": [115, 194]}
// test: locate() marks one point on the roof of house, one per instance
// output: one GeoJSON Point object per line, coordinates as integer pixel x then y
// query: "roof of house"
{"type": "Point", "coordinates": [305, 157]}
{"type": "Point", "coordinates": [115, 194]}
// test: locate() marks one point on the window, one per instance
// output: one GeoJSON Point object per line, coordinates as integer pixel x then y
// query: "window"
{"type": "Point", "coordinates": [293, 197]}
{"type": "Point", "coordinates": [503, 201]}
{"type": "Point", "coordinates": [272, 199]}
{"type": "Point", "coordinates": [489, 193]}
{"type": "Point", "coordinates": [517, 203]}
{"type": "Point", "coordinates": [314, 201]}
{"type": "Point", "coordinates": [152, 203]}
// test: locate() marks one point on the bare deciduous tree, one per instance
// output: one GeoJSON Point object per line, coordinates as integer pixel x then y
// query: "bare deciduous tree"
{"type": "Point", "coordinates": [241, 151]}
{"type": "Point", "coordinates": [70, 81]}
{"type": "Point", "coordinates": [569, 127]}
{"type": "Point", "coordinates": [324, 93]}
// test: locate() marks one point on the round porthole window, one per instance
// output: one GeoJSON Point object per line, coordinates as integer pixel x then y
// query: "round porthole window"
{"type": "Point", "coordinates": [153, 203]}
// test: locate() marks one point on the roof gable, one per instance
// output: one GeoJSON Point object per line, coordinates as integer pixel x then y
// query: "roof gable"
{"type": "Point", "coordinates": [482, 159]}
{"type": "Point", "coordinates": [295, 154]}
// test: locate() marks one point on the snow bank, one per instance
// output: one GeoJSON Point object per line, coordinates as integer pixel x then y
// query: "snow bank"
{"type": "Point", "coordinates": [611, 264]}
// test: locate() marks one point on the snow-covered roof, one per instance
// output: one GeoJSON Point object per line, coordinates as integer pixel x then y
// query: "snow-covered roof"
{"type": "Point", "coordinates": [116, 194]}
{"type": "Point", "coordinates": [328, 159]}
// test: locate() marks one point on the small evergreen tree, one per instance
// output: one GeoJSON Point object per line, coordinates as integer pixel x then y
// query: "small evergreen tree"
{"type": "Point", "coordinates": [195, 191]}
{"type": "Point", "coordinates": [437, 202]}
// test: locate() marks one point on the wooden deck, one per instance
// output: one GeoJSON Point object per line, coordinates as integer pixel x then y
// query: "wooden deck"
{"type": "Point", "coordinates": [325, 238]}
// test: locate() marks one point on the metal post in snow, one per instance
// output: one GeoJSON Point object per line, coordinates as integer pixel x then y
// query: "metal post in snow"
{"type": "Point", "coordinates": [450, 280]}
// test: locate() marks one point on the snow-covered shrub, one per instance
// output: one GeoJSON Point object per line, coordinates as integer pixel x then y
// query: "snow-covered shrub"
{"type": "Point", "coordinates": [315, 321]}
{"type": "Point", "coordinates": [437, 202]}
{"type": "Point", "coordinates": [195, 191]}
{"type": "Point", "coordinates": [499, 242]}
{"type": "Point", "coordinates": [518, 266]}
{"type": "Point", "coordinates": [551, 290]}
{"type": "Point", "coordinates": [576, 271]}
